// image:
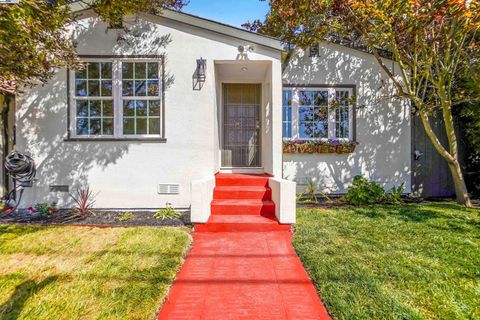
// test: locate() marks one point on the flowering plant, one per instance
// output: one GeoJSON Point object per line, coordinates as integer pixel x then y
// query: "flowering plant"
{"type": "Point", "coordinates": [44, 209]}
{"type": "Point", "coordinates": [319, 146]}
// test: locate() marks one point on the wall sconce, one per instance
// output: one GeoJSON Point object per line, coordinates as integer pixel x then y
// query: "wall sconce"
{"type": "Point", "coordinates": [201, 68]}
{"type": "Point", "coordinates": [200, 74]}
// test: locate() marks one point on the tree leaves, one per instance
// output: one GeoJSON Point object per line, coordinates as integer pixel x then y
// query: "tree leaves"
{"type": "Point", "coordinates": [432, 43]}
{"type": "Point", "coordinates": [34, 41]}
{"type": "Point", "coordinates": [112, 11]}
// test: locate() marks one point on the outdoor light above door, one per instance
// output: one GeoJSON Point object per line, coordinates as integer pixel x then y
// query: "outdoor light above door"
{"type": "Point", "coordinates": [199, 75]}
{"type": "Point", "coordinates": [201, 70]}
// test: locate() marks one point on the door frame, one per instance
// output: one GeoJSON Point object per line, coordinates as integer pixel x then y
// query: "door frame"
{"type": "Point", "coordinates": [221, 114]}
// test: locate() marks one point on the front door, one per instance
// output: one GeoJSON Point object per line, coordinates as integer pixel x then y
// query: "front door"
{"type": "Point", "coordinates": [241, 125]}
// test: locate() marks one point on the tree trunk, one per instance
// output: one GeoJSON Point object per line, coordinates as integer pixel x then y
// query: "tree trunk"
{"type": "Point", "coordinates": [453, 163]}
{"type": "Point", "coordinates": [460, 186]}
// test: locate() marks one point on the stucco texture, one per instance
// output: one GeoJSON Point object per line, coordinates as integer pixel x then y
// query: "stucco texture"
{"type": "Point", "coordinates": [382, 122]}
{"type": "Point", "coordinates": [126, 173]}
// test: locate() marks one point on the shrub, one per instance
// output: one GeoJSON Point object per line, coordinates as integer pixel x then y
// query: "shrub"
{"type": "Point", "coordinates": [394, 195]}
{"type": "Point", "coordinates": [125, 216]}
{"type": "Point", "coordinates": [168, 212]}
{"type": "Point", "coordinates": [45, 209]}
{"type": "Point", "coordinates": [309, 194]}
{"type": "Point", "coordinates": [84, 199]}
{"type": "Point", "coordinates": [364, 192]}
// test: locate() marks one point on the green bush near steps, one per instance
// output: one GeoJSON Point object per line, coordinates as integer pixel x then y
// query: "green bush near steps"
{"type": "Point", "coordinates": [364, 192]}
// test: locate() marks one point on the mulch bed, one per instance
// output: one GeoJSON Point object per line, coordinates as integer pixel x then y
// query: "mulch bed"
{"type": "Point", "coordinates": [97, 218]}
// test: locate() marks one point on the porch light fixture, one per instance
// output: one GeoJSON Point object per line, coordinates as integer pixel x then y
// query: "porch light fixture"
{"type": "Point", "coordinates": [199, 75]}
{"type": "Point", "coordinates": [244, 68]}
{"type": "Point", "coordinates": [245, 49]}
{"type": "Point", "coordinates": [201, 67]}
{"type": "Point", "coordinates": [243, 52]}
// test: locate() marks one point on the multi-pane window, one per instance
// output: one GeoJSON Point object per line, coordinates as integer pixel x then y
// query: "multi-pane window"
{"type": "Point", "coordinates": [317, 113]}
{"type": "Point", "coordinates": [287, 114]}
{"type": "Point", "coordinates": [117, 98]}
{"type": "Point", "coordinates": [141, 98]}
{"type": "Point", "coordinates": [313, 114]}
{"type": "Point", "coordinates": [342, 114]}
{"type": "Point", "coordinates": [94, 100]}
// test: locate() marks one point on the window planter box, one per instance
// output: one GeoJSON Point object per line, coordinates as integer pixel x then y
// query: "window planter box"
{"type": "Point", "coordinates": [330, 146]}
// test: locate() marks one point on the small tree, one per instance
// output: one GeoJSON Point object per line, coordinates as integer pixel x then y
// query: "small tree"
{"type": "Point", "coordinates": [432, 42]}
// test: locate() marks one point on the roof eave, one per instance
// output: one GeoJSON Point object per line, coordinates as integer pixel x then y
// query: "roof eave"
{"type": "Point", "coordinates": [205, 24]}
{"type": "Point", "coordinates": [225, 29]}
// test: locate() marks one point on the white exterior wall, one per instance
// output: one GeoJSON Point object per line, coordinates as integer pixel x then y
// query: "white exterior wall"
{"type": "Point", "coordinates": [382, 122]}
{"type": "Point", "coordinates": [126, 173]}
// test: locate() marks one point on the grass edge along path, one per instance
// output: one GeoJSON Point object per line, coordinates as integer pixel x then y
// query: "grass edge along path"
{"type": "Point", "coordinates": [87, 273]}
{"type": "Point", "coordinates": [419, 261]}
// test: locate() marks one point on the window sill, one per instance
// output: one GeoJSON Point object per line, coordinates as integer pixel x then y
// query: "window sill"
{"type": "Point", "coordinates": [152, 140]}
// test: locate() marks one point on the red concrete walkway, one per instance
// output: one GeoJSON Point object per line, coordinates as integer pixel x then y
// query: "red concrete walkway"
{"type": "Point", "coordinates": [243, 275]}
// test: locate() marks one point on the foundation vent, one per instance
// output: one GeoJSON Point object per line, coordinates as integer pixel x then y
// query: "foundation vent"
{"type": "Point", "coordinates": [168, 188]}
{"type": "Point", "coordinates": [58, 188]}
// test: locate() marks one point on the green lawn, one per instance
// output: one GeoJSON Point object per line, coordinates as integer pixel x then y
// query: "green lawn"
{"type": "Point", "coordinates": [87, 273]}
{"type": "Point", "coordinates": [393, 262]}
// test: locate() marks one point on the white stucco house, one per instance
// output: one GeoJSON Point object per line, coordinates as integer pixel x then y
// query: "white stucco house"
{"type": "Point", "coordinates": [193, 113]}
{"type": "Point", "coordinates": [375, 120]}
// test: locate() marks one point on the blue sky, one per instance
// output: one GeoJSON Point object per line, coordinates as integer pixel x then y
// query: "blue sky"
{"type": "Point", "coordinates": [232, 12]}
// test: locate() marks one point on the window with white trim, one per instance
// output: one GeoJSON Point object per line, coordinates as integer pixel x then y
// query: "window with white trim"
{"type": "Point", "coordinates": [318, 113]}
{"type": "Point", "coordinates": [94, 100]}
{"type": "Point", "coordinates": [287, 113]}
{"type": "Point", "coordinates": [117, 98]}
{"type": "Point", "coordinates": [342, 114]}
{"type": "Point", "coordinates": [312, 114]}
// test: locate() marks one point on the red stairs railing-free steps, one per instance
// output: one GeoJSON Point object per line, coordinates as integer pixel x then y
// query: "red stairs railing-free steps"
{"type": "Point", "coordinates": [241, 202]}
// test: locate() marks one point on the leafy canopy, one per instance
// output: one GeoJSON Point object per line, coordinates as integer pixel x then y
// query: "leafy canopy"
{"type": "Point", "coordinates": [33, 37]}
{"type": "Point", "coordinates": [33, 42]}
{"type": "Point", "coordinates": [435, 44]}
{"type": "Point", "coordinates": [112, 11]}
{"type": "Point", "coordinates": [433, 41]}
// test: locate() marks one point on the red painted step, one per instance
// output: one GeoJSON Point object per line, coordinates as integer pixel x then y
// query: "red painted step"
{"type": "Point", "coordinates": [241, 223]}
{"type": "Point", "coordinates": [242, 202]}
{"type": "Point", "coordinates": [242, 192]}
{"type": "Point", "coordinates": [230, 179]}
{"type": "Point", "coordinates": [242, 207]}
